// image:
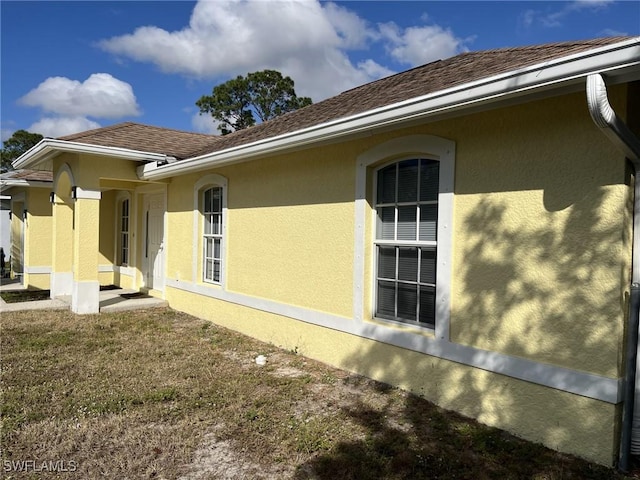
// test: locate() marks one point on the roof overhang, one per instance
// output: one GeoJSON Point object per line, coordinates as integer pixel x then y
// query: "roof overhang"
{"type": "Point", "coordinates": [618, 62]}
{"type": "Point", "coordinates": [11, 183]}
{"type": "Point", "coordinates": [48, 148]}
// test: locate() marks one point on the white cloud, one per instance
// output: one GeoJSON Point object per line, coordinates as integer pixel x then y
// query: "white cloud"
{"type": "Point", "coordinates": [205, 124]}
{"type": "Point", "coordinates": [353, 31]}
{"type": "Point", "coordinates": [609, 32]}
{"type": "Point", "coordinates": [306, 40]}
{"type": "Point", "coordinates": [558, 17]}
{"type": "Point", "coordinates": [100, 96]}
{"type": "Point", "coordinates": [60, 126]}
{"type": "Point", "coordinates": [419, 45]}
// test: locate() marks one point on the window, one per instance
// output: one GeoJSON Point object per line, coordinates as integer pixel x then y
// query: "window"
{"type": "Point", "coordinates": [209, 229]}
{"type": "Point", "coordinates": [404, 231]}
{"type": "Point", "coordinates": [406, 242]}
{"type": "Point", "coordinates": [123, 233]}
{"type": "Point", "coordinates": [212, 234]}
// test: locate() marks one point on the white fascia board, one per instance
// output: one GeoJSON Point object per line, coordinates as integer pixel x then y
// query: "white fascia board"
{"type": "Point", "coordinates": [6, 184]}
{"type": "Point", "coordinates": [49, 147]}
{"type": "Point", "coordinates": [614, 59]}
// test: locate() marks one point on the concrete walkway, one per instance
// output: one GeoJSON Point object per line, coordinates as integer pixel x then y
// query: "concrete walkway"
{"type": "Point", "coordinates": [115, 300]}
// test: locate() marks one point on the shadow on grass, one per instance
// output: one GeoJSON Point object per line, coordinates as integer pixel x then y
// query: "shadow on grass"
{"type": "Point", "coordinates": [25, 296]}
{"type": "Point", "coordinates": [431, 443]}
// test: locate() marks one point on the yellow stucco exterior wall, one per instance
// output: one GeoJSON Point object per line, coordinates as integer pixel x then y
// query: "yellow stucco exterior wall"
{"type": "Point", "coordinates": [34, 233]}
{"type": "Point", "coordinates": [38, 237]}
{"type": "Point", "coordinates": [540, 264]}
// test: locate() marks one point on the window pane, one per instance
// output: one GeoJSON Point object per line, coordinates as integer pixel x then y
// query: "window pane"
{"type": "Point", "coordinates": [428, 305]}
{"type": "Point", "coordinates": [208, 250]}
{"type": "Point", "coordinates": [408, 264]}
{"type": "Point", "coordinates": [386, 223]}
{"type": "Point", "coordinates": [206, 207]}
{"type": "Point", "coordinates": [429, 180]}
{"type": "Point", "coordinates": [216, 271]}
{"type": "Point", "coordinates": [216, 224]}
{"type": "Point", "coordinates": [208, 270]}
{"type": "Point", "coordinates": [217, 200]}
{"type": "Point", "coordinates": [428, 222]}
{"type": "Point", "coordinates": [125, 257]}
{"type": "Point", "coordinates": [407, 301]}
{"type": "Point", "coordinates": [125, 224]}
{"type": "Point", "coordinates": [216, 248]}
{"type": "Point", "coordinates": [408, 181]}
{"type": "Point", "coordinates": [386, 299]}
{"type": "Point", "coordinates": [428, 266]}
{"type": "Point", "coordinates": [407, 223]}
{"type": "Point", "coordinates": [387, 185]}
{"type": "Point", "coordinates": [125, 240]}
{"type": "Point", "coordinates": [387, 262]}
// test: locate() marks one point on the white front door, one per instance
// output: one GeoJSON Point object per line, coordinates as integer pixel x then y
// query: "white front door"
{"type": "Point", "coordinates": [154, 241]}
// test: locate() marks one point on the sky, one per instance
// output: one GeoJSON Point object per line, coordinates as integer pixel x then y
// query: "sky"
{"type": "Point", "coordinates": [71, 66]}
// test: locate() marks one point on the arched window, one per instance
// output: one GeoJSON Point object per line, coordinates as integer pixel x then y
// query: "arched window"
{"type": "Point", "coordinates": [210, 204]}
{"type": "Point", "coordinates": [408, 183]}
{"type": "Point", "coordinates": [212, 234]}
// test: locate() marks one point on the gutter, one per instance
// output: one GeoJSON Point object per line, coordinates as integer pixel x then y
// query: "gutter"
{"type": "Point", "coordinates": [618, 59]}
{"type": "Point", "coordinates": [48, 148]}
{"type": "Point", "coordinates": [621, 136]}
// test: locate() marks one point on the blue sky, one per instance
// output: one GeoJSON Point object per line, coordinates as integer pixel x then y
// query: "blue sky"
{"type": "Point", "coordinates": [71, 66]}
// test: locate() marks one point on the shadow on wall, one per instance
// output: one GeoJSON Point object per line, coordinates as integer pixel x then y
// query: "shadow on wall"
{"type": "Point", "coordinates": [550, 288]}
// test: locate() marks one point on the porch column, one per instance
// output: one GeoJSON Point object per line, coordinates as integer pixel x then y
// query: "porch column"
{"type": "Point", "coordinates": [86, 233]}
{"type": "Point", "coordinates": [62, 253]}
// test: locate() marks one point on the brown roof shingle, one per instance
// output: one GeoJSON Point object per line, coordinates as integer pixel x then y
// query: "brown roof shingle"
{"type": "Point", "coordinates": [28, 175]}
{"type": "Point", "coordinates": [429, 78]}
{"type": "Point", "coordinates": [419, 81]}
{"type": "Point", "coordinates": [146, 138]}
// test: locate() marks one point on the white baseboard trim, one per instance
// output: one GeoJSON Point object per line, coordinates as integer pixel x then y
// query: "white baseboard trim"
{"type": "Point", "coordinates": [585, 384]}
{"type": "Point", "coordinates": [38, 270]}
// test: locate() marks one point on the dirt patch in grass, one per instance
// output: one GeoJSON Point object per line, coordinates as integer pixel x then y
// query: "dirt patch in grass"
{"type": "Point", "coordinates": [17, 296]}
{"type": "Point", "coordinates": [159, 394]}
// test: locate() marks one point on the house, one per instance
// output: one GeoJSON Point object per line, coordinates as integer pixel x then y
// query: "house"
{"type": "Point", "coordinates": [463, 230]}
{"type": "Point", "coordinates": [28, 251]}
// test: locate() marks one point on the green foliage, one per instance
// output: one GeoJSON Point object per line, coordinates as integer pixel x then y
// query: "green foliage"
{"type": "Point", "coordinates": [20, 142]}
{"type": "Point", "coordinates": [237, 102]}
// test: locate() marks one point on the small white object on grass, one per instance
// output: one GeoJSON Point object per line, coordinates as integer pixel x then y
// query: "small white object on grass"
{"type": "Point", "coordinates": [261, 359]}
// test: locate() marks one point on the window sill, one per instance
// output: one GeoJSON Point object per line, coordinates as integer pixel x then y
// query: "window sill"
{"type": "Point", "coordinates": [424, 330]}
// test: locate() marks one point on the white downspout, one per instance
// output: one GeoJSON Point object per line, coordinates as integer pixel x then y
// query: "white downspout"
{"type": "Point", "coordinates": [621, 136]}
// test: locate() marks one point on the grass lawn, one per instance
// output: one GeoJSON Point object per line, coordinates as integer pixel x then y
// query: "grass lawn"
{"type": "Point", "coordinates": [159, 394]}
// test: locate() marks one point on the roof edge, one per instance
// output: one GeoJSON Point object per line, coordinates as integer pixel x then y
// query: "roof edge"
{"type": "Point", "coordinates": [552, 74]}
{"type": "Point", "coordinates": [47, 148]}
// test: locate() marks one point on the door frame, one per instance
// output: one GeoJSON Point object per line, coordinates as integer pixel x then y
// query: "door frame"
{"type": "Point", "coordinates": [144, 194]}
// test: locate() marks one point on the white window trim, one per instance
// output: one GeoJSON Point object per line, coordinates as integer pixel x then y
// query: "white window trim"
{"type": "Point", "coordinates": [414, 146]}
{"type": "Point", "coordinates": [121, 197]}
{"type": "Point", "coordinates": [212, 180]}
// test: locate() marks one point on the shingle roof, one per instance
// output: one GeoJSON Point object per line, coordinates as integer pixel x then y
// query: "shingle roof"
{"type": "Point", "coordinates": [430, 78]}
{"type": "Point", "coordinates": [28, 175]}
{"type": "Point", "coordinates": [146, 138]}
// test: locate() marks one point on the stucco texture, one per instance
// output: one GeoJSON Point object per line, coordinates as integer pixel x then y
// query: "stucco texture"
{"type": "Point", "coordinates": [289, 239]}
{"type": "Point", "coordinates": [557, 419]}
{"type": "Point", "coordinates": [542, 244]}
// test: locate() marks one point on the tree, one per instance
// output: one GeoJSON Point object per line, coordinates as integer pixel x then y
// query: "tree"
{"type": "Point", "coordinates": [237, 102]}
{"type": "Point", "coordinates": [12, 148]}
